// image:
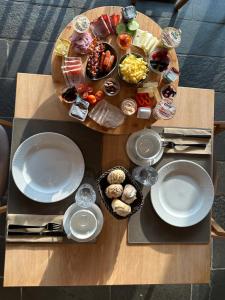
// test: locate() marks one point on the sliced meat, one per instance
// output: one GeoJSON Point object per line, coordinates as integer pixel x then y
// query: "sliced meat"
{"type": "Point", "coordinates": [108, 23]}
{"type": "Point", "coordinates": [99, 28]}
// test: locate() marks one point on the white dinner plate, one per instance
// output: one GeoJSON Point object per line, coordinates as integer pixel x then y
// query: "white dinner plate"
{"type": "Point", "coordinates": [183, 194]}
{"type": "Point", "coordinates": [74, 208]}
{"type": "Point", "coordinates": [48, 167]}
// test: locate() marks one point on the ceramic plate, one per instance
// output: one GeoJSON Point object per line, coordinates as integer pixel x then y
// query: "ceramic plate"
{"type": "Point", "coordinates": [130, 148]}
{"type": "Point", "coordinates": [74, 208]}
{"type": "Point", "coordinates": [48, 167]}
{"type": "Point", "coordinates": [183, 194]}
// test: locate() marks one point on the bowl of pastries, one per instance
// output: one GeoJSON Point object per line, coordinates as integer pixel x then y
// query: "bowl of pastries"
{"type": "Point", "coordinates": [120, 193]}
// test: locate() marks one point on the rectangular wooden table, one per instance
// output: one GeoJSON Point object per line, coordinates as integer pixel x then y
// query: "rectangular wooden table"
{"type": "Point", "coordinates": [111, 260]}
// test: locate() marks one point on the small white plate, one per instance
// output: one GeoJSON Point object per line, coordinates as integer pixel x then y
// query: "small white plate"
{"type": "Point", "coordinates": [183, 194]}
{"type": "Point", "coordinates": [130, 148]}
{"type": "Point", "coordinates": [74, 208]}
{"type": "Point", "coordinates": [48, 167]}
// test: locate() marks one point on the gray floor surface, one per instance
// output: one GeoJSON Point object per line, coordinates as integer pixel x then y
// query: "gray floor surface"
{"type": "Point", "coordinates": [28, 29]}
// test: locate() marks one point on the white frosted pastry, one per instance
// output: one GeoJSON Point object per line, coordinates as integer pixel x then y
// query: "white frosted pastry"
{"type": "Point", "coordinates": [114, 191]}
{"type": "Point", "coordinates": [129, 194]}
{"type": "Point", "coordinates": [116, 176]}
{"type": "Point", "coordinates": [120, 208]}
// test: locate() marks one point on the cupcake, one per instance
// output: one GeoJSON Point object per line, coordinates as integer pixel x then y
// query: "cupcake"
{"type": "Point", "coordinates": [120, 208]}
{"type": "Point", "coordinates": [114, 191]}
{"type": "Point", "coordinates": [129, 194]}
{"type": "Point", "coordinates": [116, 176]}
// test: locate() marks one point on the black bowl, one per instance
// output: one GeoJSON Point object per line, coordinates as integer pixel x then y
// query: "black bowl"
{"type": "Point", "coordinates": [120, 75]}
{"type": "Point", "coordinates": [103, 183]}
{"type": "Point", "coordinates": [104, 75]}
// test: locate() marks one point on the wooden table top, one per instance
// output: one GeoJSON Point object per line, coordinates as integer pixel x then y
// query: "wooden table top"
{"type": "Point", "coordinates": [131, 124]}
{"type": "Point", "coordinates": [111, 261]}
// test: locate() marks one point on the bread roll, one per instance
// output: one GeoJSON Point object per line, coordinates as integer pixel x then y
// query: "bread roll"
{"type": "Point", "coordinates": [114, 191]}
{"type": "Point", "coordinates": [121, 208]}
{"type": "Point", "coordinates": [116, 176]}
{"type": "Point", "coordinates": [129, 194]}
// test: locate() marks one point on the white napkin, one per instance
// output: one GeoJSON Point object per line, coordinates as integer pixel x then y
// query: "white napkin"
{"type": "Point", "coordinates": [189, 140]}
{"type": "Point", "coordinates": [23, 219]}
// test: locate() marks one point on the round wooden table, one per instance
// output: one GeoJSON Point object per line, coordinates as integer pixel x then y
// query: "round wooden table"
{"type": "Point", "coordinates": [131, 123]}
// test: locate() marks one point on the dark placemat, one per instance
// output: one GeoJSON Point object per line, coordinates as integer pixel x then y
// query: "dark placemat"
{"type": "Point", "coordinates": [146, 227]}
{"type": "Point", "coordinates": [90, 144]}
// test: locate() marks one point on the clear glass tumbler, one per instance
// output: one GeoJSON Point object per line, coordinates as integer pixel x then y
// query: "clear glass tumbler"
{"type": "Point", "coordinates": [145, 175]}
{"type": "Point", "coordinates": [85, 195]}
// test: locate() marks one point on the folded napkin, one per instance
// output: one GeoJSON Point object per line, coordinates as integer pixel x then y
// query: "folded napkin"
{"type": "Point", "coordinates": [38, 220]}
{"type": "Point", "coordinates": [189, 140]}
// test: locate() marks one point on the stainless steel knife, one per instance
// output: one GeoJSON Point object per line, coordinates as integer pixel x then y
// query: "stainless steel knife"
{"type": "Point", "coordinates": [181, 135]}
{"type": "Point", "coordinates": [40, 233]}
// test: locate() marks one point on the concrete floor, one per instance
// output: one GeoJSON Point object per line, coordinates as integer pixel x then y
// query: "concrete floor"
{"type": "Point", "coordinates": [28, 29]}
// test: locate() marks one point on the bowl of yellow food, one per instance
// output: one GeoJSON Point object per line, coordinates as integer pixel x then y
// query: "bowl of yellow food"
{"type": "Point", "coordinates": [133, 68]}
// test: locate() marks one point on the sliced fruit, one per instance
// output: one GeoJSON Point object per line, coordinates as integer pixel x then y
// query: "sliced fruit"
{"type": "Point", "coordinates": [99, 95]}
{"type": "Point", "coordinates": [133, 25]}
{"type": "Point", "coordinates": [121, 27]}
{"type": "Point", "coordinates": [91, 99]}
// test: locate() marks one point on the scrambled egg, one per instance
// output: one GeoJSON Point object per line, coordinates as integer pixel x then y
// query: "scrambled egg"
{"type": "Point", "coordinates": [133, 69]}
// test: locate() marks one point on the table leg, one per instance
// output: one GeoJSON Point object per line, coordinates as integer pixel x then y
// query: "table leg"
{"type": "Point", "coordinates": [180, 3]}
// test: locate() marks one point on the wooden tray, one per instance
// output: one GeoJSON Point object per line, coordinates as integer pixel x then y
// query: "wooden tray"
{"type": "Point", "coordinates": [131, 124]}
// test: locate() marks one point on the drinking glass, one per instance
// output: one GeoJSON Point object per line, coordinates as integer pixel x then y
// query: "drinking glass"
{"type": "Point", "coordinates": [145, 175]}
{"type": "Point", "coordinates": [85, 195]}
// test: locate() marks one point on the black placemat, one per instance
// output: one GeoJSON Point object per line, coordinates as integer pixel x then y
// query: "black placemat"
{"type": "Point", "coordinates": [90, 144]}
{"type": "Point", "coordinates": [146, 227]}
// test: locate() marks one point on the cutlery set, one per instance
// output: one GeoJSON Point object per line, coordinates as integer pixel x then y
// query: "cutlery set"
{"type": "Point", "coordinates": [49, 229]}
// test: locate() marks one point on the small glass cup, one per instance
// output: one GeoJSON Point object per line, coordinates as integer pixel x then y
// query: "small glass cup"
{"type": "Point", "coordinates": [148, 146]}
{"type": "Point", "coordinates": [85, 195]}
{"type": "Point", "coordinates": [124, 40]}
{"type": "Point", "coordinates": [145, 175]}
{"type": "Point", "coordinates": [111, 87]}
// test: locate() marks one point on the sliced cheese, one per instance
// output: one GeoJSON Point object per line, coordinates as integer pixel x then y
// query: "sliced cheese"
{"type": "Point", "coordinates": [150, 84]}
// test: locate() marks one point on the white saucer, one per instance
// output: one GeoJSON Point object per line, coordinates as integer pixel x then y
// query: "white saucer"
{"type": "Point", "coordinates": [74, 208]}
{"type": "Point", "coordinates": [131, 154]}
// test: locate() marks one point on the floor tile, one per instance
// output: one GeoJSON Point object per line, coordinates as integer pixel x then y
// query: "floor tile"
{"type": "Point", "coordinates": [218, 253]}
{"type": "Point", "coordinates": [220, 106]}
{"type": "Point", "coordinates": [151, 292]}
{"type": "Point", "coordinates": [219, 167]}
{"type": "Point", "coordinates": [209, 11]}
{"type": "Point", "coordinates": [219, 146]}
{"type": "Point", "coordinates": [217, 285]}
{"type": "Point", "coordinates": [218, 210]}
{"type": "Point", "coordinates": [10, 293]}
{"type": "Point", "coordinates": [28, 21]}
{"type": "Point", "coordinates": [3, 60]}
{"type": "Point", "coordinates": [67, 293]}
{"type": "Point", "coordinates": [7, 97]}
{"type": "Point", "coordinates": [202, 72]}
{"type": "Point", "coordinates": [61, 3]}
{"type": "Point", "coordinates": [197, 36]}
{"type": "Point", "coordinates": [29, 57]}
{"type": "Point", "coordinates": [200, 292]}
{"type": "Point", "coordinates": [87, 4]}
{"type": "Point", "coordinates": [163, 9]}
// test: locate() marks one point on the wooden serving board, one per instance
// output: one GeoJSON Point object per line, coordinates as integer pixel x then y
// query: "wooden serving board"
{"type": "Point", "coordinates": [132, 123]}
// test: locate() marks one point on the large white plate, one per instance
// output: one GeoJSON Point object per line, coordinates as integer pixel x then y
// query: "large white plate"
{"type": "Point", "coordinates": [48, 167]}
{"type": "Point", "coordinates": [183, 194]}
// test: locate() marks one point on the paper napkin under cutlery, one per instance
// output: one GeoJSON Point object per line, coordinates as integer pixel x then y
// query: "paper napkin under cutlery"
{"type": "Point", "coordinates": [189, 140]}
{"type": "Point", "coordinates": [39, 220]}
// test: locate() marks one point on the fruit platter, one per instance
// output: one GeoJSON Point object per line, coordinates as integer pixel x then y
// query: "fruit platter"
{"type": "Point", "coordinates": [112, 66]}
